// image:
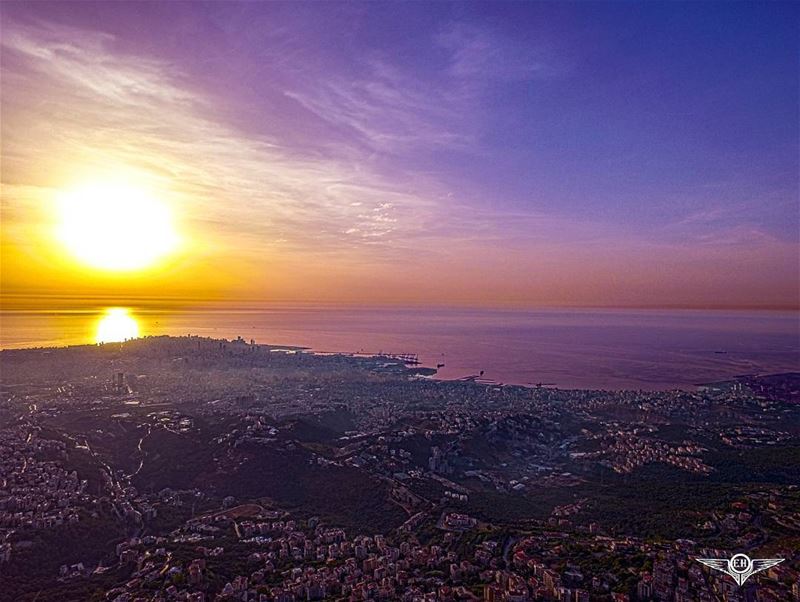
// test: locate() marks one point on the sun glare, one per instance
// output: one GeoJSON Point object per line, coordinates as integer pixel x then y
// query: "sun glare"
{"type": "Point", "coordinates": [115, 227]}
{"type": "Point", "coordinates": [117, 324]}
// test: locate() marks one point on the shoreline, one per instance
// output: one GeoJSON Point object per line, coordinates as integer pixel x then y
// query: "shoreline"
{"type": "Point", "coordinates": [420, 370]}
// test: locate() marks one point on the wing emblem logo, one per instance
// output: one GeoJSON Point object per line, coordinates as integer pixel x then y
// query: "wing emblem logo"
{"type": "Point", "coordinates": [741, 567]}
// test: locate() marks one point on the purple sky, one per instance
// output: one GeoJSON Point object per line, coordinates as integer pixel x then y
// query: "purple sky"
{"type": "Point", "coordinates": [486, 153]}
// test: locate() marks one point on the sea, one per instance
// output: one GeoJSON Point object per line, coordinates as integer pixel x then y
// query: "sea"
{"type": "Point", "coordinates": [565, 348]}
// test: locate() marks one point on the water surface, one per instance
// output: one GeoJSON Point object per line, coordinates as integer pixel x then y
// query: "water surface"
{"type": "Point", "coordinates": [645, 349]}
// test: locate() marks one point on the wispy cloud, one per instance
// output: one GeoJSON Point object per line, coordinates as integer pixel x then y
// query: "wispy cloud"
{"type": "Point", "coordinates": [480, 54]}
{"type": "Point", "coordinates": [84, 59]}
{"type": "Point", "coordinates": [732, 224]}
{"type": "Point", "coordinates": [388, 110]}
{"type": "Point", "coordinates": [391, 110]}
{"type": "Point", "coordinates": [103, 108]}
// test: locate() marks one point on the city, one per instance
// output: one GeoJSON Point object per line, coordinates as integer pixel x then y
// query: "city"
{"type": "Point", "coordinates": [195, 469]}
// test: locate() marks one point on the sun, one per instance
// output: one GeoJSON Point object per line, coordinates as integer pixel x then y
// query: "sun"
{"type": "Point", "coordinates": [115, 227]}
{"type": "Point", "coordinates": [117, 324]}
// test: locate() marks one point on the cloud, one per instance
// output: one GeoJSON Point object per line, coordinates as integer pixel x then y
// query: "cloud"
{"type": "Point", "coordinates": [83, 58]}
{"type": "Point", "coordinates": [480, 54]}
{"type": "Point", "coordinates": [387, 109]}
{"type": "Point", "coordinates": [738, 224]}
{"type": "Point", "coordinates": [103, 108]}
{"type": "Point", "coordinates": [78, 100]}
{"type": "Point", "coordinates": [439, 106]}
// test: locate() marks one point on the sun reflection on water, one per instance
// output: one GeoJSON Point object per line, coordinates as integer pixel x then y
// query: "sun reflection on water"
{"type": "Point", "coordinates": [117, 324]}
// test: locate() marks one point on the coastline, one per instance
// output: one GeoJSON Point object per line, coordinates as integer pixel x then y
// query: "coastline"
{"type": "Point", "coordinates": [392, 362]}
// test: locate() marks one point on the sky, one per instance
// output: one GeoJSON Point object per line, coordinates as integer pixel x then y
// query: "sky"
{"type": "Point", "coordinates": [483, 154]}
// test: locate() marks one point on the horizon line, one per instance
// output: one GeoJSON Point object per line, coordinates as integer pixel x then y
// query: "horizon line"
{"type": "Point", "coordinates": [13, 302]}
